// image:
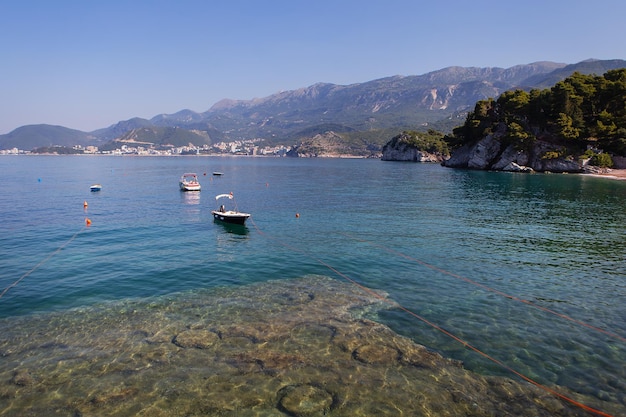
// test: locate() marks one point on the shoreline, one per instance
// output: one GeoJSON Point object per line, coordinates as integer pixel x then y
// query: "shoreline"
{"type": "Point", "coordinates": [617, 174]}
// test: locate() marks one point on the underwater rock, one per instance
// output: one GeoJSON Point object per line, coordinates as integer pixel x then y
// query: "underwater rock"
{"type": "Point", "coordinates": [302, 347]}
{"type": "Point", "coordinates": [376, 354]}
{"type": "Point", "coordinates": [305, 401]}
{"type": "Point", "coordinates": [23, 378]}
{"type": "Point", "coordinates": [114, 396]}
{"type": "Point", "coordinates": [199, 339]}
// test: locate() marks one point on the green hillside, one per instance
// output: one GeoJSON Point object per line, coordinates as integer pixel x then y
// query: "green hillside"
{"type": "Point", "coordinates": [160, 137]}
{"type": "Point", "coordinates": [583, 114]}
{"type": "Point", "coordinates": [37, 136]}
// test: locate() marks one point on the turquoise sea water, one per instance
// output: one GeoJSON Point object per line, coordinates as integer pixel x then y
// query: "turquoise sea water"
{"type": "Point", "coordinates": [528, 269]}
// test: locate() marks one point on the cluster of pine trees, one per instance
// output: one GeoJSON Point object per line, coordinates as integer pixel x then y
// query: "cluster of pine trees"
{"type": "Point", "coordinates": [431, 141]}
{"type": "Point", "coordinates": [580, 113]}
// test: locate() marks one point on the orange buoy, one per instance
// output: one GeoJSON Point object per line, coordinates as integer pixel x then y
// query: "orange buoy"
{"type": "Point", "coordinates": [297, 215]}
{"type": "Point", "coordinates": [85, 204]}
{"type": "Point", "coordinates": [87, 222]}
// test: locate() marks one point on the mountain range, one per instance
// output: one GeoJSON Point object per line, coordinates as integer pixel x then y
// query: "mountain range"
{"type": "Point", "coordinates": [368, 113]}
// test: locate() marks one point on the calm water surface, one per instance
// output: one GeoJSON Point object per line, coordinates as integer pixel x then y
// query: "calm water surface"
{"type": "Point", "coordinates": [529, 269]}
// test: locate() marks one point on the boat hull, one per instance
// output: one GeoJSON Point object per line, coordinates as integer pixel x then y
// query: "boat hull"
{"type": "Point", "coordinates": [189, 187]}
{"type": "Point", "coordinates": [189, 182]}
{"type": "Point", "coordinates": [230, 217]}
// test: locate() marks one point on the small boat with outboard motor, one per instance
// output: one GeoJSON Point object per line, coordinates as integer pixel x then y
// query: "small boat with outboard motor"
{"type": "Point", "coordinates": [229, 216]}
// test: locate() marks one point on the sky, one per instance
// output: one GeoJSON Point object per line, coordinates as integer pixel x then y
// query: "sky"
{"type": "Point", "coordinates": [88, 64]}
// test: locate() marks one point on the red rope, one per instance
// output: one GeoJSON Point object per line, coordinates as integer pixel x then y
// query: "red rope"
{"type": "Point", "coordinates": [447, 333]}
{"type": "Point", "coordinates": [485, 287]}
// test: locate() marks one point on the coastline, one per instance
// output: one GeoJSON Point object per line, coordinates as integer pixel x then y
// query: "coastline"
{"type": "Point", "coordinates": [618, 174]}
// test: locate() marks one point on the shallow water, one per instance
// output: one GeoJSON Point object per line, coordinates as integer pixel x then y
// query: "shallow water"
{"type": "Point", "coordinates": [299, 347]}
{"type": "Point", "coordinates": [528, 269]}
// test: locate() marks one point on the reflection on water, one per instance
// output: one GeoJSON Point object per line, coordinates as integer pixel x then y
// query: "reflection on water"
{"type": "Point", "coordinates": [228, 241]}
{"type": "Point", "coordinates": [303, 347]}
{"type": "Point", "coordinates": [190, 197]}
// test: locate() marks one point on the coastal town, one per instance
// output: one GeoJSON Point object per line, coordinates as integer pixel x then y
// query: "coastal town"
{"type": "Point", "coordinates": [250, 147]}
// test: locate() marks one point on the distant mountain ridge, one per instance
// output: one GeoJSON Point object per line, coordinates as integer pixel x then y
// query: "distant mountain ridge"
{"type": "Point", "coordinates": [436, 99]}
{"type": "Point", "coordinates": [32, 136]}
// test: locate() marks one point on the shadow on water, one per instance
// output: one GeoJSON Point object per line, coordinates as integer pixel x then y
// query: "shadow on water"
{"type": "Point", "coordinates": [236, 229]}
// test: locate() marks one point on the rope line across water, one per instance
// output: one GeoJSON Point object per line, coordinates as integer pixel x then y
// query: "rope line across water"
{"type": "Point", "coordinates": [384, 299]}
{"type": "Point", "coordinates": [437, 327]}
{"type": "Point", "coordinates": [487, 288]}
{"type": "Point", "coordinates": [42, 262]}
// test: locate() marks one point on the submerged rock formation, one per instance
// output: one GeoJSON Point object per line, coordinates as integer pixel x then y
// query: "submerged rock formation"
{"type": "Point", "coordinates": [302, 347]}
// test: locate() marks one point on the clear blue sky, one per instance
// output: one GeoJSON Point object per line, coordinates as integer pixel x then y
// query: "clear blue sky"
{"type": "Point", "coordinates": [88, 64]}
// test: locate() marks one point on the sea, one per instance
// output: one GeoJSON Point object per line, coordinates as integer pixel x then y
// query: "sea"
{"type": "Point", "coordinates": [109, 299]}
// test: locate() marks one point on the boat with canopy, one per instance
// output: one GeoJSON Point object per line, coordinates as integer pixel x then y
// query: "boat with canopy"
{"type": "Point", "coordinates": [229, 216]}
{"type": "Point", "coordinates": [189, 182]}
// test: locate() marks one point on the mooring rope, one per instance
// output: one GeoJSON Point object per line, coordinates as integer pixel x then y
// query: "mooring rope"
{"type": "Point", "coordinates": [46, 259]}
{"type": "Point", "coordinates": [437, 327]}
{"type": "Point", "coordinates": [487, 288]}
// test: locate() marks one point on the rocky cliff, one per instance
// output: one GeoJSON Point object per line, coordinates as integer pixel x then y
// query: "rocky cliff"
{"type": "Point", "coordinates": [330, 145]}
{"type": "Point", "coordinates": [411, 146]}
{"type": "Point", "coordinates": [580, 120]}
{"type": "Point", "coordinates": [409, 154]}
{"type": "Point", "coordinates": [490, 153]}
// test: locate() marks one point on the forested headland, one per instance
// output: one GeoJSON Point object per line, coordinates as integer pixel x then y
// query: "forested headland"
{"type": "Point", "coordinates": [582, 117]}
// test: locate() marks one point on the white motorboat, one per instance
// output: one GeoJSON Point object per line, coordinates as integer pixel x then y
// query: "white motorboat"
{"type": "Point", "coordinates": [189, 182]}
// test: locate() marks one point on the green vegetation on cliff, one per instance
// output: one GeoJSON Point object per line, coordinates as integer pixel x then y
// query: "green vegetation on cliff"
{"type": "Point", "coordinates": [579, 113]}
{"type": "Point", "coordinates": [430, 141]}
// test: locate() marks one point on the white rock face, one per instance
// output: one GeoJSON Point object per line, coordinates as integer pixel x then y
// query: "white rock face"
{"type": "Point", "coordinates": [401, 149]}
{"type": "Point", "coordinates": [409, 155]}
{"type": "Point", "coordinates": [483, 153]}
{"type": "Point", "coordinates": [486, 154]}
{"type": "Point", "coordinates": [513, 167]}
{"type": "Point", "coordinates": [511, 155]}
